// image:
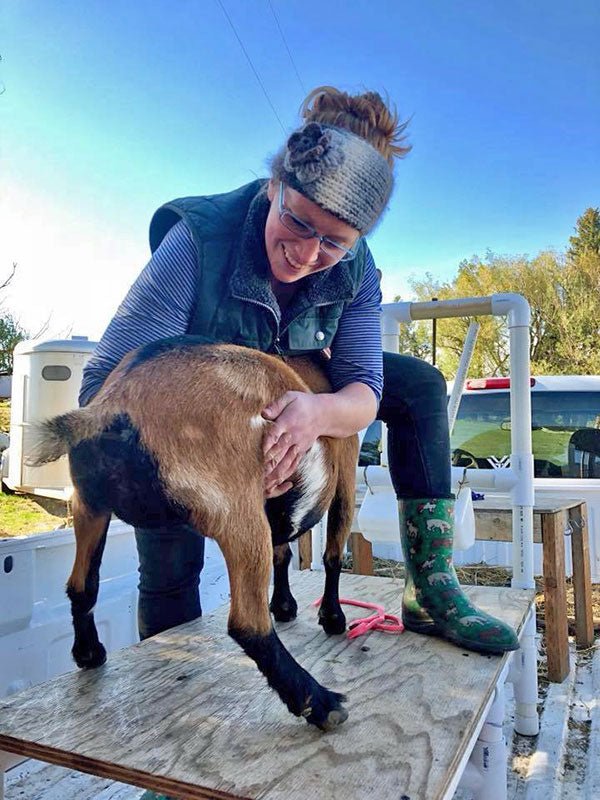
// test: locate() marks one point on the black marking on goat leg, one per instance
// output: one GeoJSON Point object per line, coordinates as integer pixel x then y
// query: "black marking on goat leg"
{"type": "Point", "coordinates": [331, 616]}
{"type": "Point", "coordinates": [301, 693]}
{"type": "Point", "coordinates": [283, 605]}
{"type": "Point", "coordinates": [280, 511]}
{"type": "Point", "coordinates": [88, 651]}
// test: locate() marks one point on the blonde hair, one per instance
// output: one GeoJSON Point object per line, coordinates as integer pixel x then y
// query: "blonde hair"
{"type": "Point", "coordinates": [365, 115]}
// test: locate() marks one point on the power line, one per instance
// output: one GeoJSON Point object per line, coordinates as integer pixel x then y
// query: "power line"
{"type": "Point", "coordinates": [286, 47]}
{"type": "Point", "coordinates": [251, 65]}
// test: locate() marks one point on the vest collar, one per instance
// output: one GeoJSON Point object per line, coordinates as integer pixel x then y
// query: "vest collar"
{"type": "Point", "coordinates": [250, 278]}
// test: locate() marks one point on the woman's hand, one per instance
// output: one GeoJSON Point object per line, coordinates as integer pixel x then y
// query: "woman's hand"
{"type": "Point", "coordinates": [299, 418]}
{"type": "Point", "coordinates": [294, 430]}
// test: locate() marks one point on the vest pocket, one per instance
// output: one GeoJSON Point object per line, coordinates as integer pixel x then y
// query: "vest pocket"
{"type": "Point", "coordinates": [316, 329]}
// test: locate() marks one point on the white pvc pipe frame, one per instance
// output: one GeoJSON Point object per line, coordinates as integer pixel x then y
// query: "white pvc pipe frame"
{"type": "Point", "coordinates": [518, 478]}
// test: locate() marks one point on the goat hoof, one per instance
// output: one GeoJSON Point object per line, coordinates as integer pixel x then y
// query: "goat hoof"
{"type": "Point", "coordinates": [333, 624]}
{"type": "Point", "coordinates": [325, 710]}
{"type": "Point", "coordinates": [89, 657]}
{"type": "Point", "coordinates": [335, 719]}
{"type": "Point", "coordinates": [284, 611]}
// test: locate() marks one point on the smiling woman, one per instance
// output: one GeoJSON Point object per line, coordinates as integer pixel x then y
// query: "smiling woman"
{"type": "Point", "coordinates": [335, 247]}
{"type": "Point", "coordinates": [281, 265]}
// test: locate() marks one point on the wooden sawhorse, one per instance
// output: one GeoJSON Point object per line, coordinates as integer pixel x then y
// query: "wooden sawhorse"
{"type": "Point", "coordinates": [554, 517]}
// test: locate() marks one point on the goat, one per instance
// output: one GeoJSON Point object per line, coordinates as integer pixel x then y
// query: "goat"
{"type": "Point", "coordinates": [175, 434]}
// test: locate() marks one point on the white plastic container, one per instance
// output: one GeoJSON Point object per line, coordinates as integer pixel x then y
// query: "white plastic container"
{"type": "Point", "coordinates": [46, 381]}
{"type": "Point", "coordinates": [378, 515]}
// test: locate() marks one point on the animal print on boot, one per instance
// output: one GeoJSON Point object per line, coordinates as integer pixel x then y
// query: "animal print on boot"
{"type": "Point", "coordinates": [433, 601]}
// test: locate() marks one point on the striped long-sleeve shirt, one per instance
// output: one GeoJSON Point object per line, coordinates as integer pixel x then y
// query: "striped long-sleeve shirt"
{"type": "Point", "coordinates": [160, 302]}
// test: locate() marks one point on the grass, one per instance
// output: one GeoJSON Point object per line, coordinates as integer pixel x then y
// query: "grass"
{"type": "Point", "coordinates": [21, 515]}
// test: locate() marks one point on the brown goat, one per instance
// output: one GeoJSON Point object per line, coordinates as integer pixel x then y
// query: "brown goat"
{"type": "Point", "coordinates": [175, 434]}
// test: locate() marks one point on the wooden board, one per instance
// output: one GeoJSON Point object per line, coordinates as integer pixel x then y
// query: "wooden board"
{"type": "Point", "coordinates": [582, 580]}
{"type": "Point", "coordinates": [494, 520]}
{"type": "Point", "coordinates": [543, 502]}
{"type": "Point", "coordinates": [555, 598]}
{"type": "Point", "coordinates": [187, 714]}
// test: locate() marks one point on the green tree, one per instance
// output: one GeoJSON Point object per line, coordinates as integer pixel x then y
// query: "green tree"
{"type": "Point", "coordinates": [563, 291]}
{"type": "Point", "coordinates": [577, 320]}
{"type": "Point", "coordinates": [11, 332]}
{"type": "Point", "coordinates": [564, 309]}
{"type": "Point", "coordinates": [587, 235]}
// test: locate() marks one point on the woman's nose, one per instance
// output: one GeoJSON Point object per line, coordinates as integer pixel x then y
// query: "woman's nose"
{"type": "Point", "coordinates": [307, 251]}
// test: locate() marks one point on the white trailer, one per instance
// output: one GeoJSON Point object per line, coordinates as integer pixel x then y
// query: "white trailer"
{"type": "Point", "coordinates": [45, 382]}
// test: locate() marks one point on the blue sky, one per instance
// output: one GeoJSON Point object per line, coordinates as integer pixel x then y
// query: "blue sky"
{"type": "Point", "coordinates": [112, 108]}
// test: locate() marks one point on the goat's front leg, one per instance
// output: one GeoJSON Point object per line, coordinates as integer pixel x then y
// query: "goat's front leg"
{"type": "Point", "coordinates": [283, 606]}
{"type": "Point", "coordinates": [248, 554]}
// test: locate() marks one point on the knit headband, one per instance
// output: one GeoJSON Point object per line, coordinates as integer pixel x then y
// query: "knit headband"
{"type": "Point", "coordinates": [339, 171]}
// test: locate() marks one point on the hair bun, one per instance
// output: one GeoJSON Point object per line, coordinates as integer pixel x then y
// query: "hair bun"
{"type": "Point", "coordinates": [367, 115]}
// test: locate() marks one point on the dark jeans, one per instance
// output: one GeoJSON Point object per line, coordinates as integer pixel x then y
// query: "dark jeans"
{"type": "Point", "coordinates": [414, 408]}
{"type": "Point", "coordinates": [171, 560]}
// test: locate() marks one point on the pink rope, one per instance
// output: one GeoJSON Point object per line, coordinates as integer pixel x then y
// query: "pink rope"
{"type": "Point", "coordinates": [377, 621]}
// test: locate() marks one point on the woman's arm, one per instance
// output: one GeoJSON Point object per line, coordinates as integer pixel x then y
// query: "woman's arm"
{"type": "Point", "coordinates": [356, 373]}
{"type": "Point", "coordinates": [356, 351]}
{"type": "Point", "coordinates": [157, 306]}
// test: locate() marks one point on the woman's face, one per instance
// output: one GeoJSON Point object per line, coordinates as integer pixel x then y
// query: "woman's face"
{"type": "Point", "coordinates": [292, 258]}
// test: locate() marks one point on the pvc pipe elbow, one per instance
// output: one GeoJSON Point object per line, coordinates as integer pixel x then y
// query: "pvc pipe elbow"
{"type": "Point", "coordinates": [513, 305]}
{"type": "Point", "coordinates": [393, 314]}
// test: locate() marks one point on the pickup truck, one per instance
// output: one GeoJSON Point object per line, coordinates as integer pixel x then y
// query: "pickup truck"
{"type": "Point", "coordinates": [566, 447]}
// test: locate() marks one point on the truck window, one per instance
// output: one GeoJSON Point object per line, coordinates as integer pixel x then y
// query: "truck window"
{"type": "Point", "coordinates": [565, 433]}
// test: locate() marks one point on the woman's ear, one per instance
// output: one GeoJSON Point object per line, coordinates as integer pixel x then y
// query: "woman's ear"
{"type": "Point", "coordinates": [272, 189]}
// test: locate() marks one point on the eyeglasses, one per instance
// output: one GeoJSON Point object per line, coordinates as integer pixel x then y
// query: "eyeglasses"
{"type": "Point", "coordinates": [333, 250]}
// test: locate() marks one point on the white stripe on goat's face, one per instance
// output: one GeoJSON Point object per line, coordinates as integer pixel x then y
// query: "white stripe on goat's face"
{"type": "Point", "coordinates": [313, 478]}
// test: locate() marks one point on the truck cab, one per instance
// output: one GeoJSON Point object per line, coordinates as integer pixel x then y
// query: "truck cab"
{"type": "Point", "coordinates": [565, 427]}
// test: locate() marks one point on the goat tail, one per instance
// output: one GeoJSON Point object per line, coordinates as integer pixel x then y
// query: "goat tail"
{"type": "Point", "coordinates": [49, 440]}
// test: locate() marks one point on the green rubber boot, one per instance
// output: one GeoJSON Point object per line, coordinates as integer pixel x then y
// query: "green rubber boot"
{"type": "Point", "coordinates": [433, 602]}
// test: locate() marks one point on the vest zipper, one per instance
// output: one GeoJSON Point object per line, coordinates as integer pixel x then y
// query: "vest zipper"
{"type": "Point", "coordinates": [277, 337]}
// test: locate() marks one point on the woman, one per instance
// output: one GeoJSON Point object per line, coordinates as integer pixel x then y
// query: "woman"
{"type": "Point", "coordinates": [282, 266]}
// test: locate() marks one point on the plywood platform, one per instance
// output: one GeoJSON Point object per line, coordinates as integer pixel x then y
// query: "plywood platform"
{"type": "Point", "coordinates": [186, 713]}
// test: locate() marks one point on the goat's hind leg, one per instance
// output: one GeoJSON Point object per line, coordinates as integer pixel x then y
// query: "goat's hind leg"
{"type": "Point", "coordinates": [248, 554]}
{"type": "Point", "coordinates": [339, 523]}
{"type": "Point", "coordinates": [82, 586]}
{"type": "Point", "coordinates": [331, 616]}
